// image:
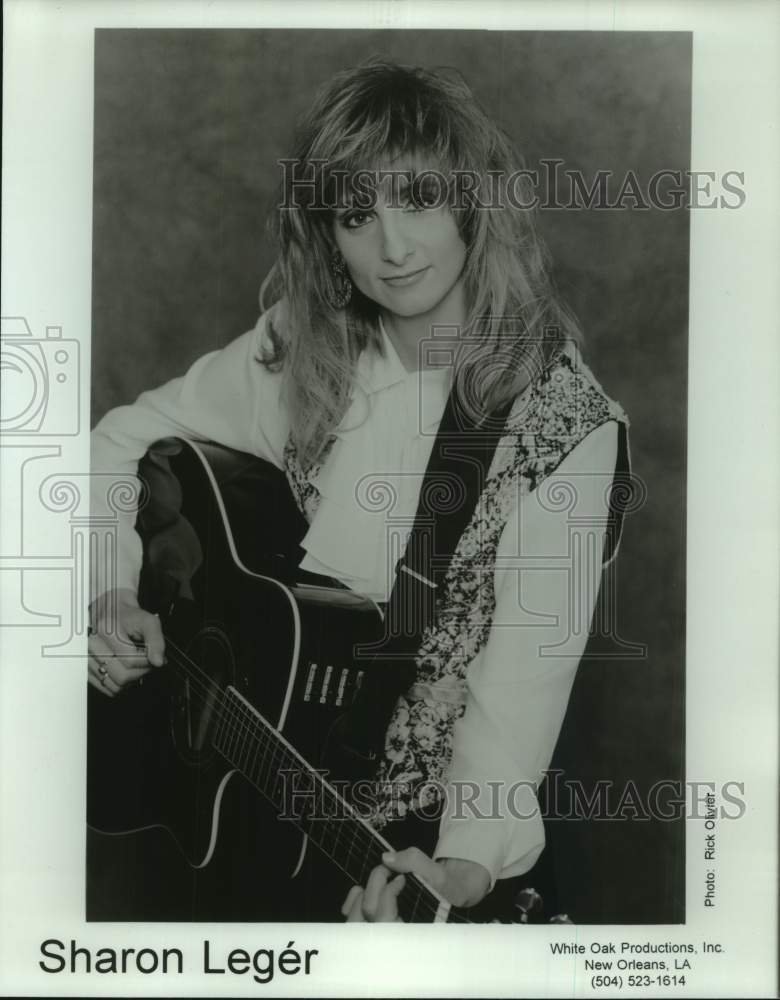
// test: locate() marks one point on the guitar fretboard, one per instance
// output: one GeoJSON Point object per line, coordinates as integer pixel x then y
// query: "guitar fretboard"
{"type": "Point", "coordinates": [304, 797]}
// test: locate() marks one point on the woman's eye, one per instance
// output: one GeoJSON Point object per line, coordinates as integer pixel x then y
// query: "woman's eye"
{"type": "Point", "coordinates": [354, 220]}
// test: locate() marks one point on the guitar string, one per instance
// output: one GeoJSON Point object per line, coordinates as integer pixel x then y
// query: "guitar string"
{"type": "Point", "coordinates": [368, 837]}
{"type": "Point", "coordinates": [244, 722]}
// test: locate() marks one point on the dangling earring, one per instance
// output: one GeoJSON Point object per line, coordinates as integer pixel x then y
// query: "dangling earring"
{"type": "Point", "coordinates": [342, 286]}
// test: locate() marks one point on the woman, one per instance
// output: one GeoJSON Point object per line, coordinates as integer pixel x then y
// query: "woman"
{"type": "Point", "coordinates": [407, 264]}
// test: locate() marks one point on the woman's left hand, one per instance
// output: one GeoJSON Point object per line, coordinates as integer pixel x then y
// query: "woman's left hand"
{"type": "Point", "coordinates": [460, 882]}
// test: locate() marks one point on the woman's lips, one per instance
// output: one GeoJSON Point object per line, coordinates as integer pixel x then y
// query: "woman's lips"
{"type": "Point", "coordinates": [407, 279]}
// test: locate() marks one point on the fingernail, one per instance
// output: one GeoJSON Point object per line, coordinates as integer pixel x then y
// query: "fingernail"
{"type": "Point", "coordinates": [388, 856]}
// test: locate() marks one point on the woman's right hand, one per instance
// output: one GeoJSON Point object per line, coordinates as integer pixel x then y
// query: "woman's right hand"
{"type": "Point", "coordinates": [122, 647]}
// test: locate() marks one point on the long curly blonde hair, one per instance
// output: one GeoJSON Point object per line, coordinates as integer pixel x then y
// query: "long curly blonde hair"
{"type": "Point", "coordinates": [362, 118]}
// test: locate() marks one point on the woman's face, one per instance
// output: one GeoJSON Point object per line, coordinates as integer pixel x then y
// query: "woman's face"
{"type": "Point", "coordinates": [404, 255]}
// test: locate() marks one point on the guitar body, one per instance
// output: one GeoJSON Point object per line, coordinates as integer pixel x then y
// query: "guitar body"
{"type": "Point", "coordinates": [279, 639]}
{"type": "Point", "coordinates": [206, 792]}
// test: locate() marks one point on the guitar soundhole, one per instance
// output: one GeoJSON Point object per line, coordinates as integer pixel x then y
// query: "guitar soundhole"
{"type": "Point", "coordinates": [197, 706]}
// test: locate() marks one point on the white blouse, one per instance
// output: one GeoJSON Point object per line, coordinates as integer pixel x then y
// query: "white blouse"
{"type": "Point", "coordinates": [369, 485]}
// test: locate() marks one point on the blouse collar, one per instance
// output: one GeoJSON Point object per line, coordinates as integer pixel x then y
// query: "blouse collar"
{"type": "Point", "coordinates": [371, 439]}
{"type": "Point", "coordinates": [377, 371]}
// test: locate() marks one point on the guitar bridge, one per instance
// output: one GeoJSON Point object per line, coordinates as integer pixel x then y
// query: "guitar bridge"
{"type": "Point", "coordinates": [334, 686]}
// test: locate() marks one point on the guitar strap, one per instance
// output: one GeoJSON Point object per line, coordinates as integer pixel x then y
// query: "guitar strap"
{"type": "Point", "coordinates": [454, 479]}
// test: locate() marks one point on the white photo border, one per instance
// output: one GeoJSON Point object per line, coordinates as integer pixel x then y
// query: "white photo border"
{"type": "Point", "coordinates": [733, 491]}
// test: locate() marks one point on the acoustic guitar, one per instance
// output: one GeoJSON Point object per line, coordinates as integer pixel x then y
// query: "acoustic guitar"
{"type": "Point", "coordinates": [262, 660]}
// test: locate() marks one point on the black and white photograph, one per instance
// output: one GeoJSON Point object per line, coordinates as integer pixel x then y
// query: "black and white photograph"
{"type": "Point", "coordinates": [384, 534]}
{"type": "Point", "coordinates": [448, 223]}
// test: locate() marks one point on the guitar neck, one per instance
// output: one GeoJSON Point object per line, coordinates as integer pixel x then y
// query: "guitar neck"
{"type": "Point", "coordinates": [304, 797]}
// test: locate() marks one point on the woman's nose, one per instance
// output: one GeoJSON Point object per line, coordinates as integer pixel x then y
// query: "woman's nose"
{"type": "Point", "coordinates": [395, 245]}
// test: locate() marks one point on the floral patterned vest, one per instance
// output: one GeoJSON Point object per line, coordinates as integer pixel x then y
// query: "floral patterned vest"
{"type": "Point", "coordinates": [547, 421]}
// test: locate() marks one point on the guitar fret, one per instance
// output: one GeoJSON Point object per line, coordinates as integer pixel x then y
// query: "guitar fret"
{"type": "Point", "coordinates": [273, 773]}
{"type": "Point", "coordinates": [265, 765]}
{"type": "Point", "coordinates": [219, 728]}
{"type": "Point", "coordinates": [250, 741]}
{"type": "Point", "coordinates": [268, 769]}
{"type": "Point", "coordinates": [323, 830]}
{"type": "Point", "coordinates": [252, 761]}
{"type": "Point", "coordinates": [228, 737]}
{"type": "Point", "coordinates": [236, 741]}
{"type": "Point", "coordinates": [285, 764]}
{"type": "Point", "coordinates": [235, 749]}
{"type": "Point", "coordinates": [241, 745]}
{"type": "Point", "coordinates": [349, 845]}
{"type": "Point", "coordinates": [362, 869]}
{"type": "Point", "coordinates": [319, 810]}
{"type": "Point", "coordinates": [230, 741]}
{"type": "Point", "coordinates": [331, 825]}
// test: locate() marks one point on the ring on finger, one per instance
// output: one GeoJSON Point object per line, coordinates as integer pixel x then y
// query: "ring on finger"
{"type": "Point", "coordinates": [103, 681]}
{"type": "Point", "coordinates": [102, 670]}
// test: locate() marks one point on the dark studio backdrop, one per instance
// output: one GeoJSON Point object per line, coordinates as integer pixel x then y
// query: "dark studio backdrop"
{"type": "Point", "coordinates": [188, 128]}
